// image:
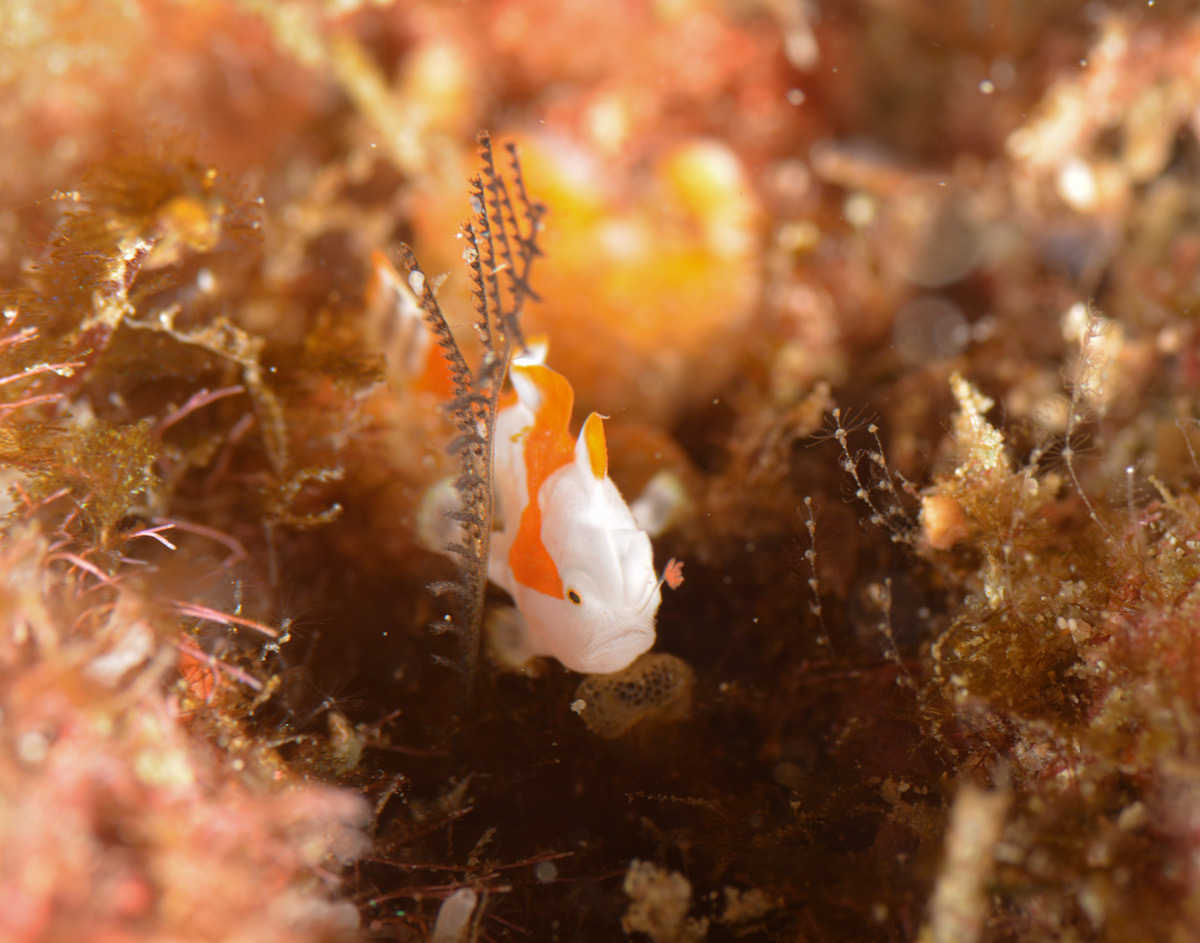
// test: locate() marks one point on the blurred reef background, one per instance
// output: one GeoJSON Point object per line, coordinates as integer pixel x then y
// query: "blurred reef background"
{"type": "Point", "coordinates": [896, 301]}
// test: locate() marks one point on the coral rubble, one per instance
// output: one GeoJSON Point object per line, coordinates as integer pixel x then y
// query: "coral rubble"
{"type": "Point", "coordinates": [892, 305]}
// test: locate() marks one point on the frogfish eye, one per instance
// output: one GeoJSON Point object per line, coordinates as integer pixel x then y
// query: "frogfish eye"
{"type": "Point", "coordinates": [574, 597]}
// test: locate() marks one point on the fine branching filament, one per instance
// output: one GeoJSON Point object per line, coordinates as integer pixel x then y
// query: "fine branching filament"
{"type": "Point", "coordinates": [501, 244]}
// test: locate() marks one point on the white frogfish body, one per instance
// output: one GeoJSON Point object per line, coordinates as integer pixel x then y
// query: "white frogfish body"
{"type": "Point", "coordinates": [569, 551]}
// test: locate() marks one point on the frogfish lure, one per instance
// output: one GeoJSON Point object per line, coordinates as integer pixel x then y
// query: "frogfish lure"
{"type": "Point", "coordinates": [569, 551]}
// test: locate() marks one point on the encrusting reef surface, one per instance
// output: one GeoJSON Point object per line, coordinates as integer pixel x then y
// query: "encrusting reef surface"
{"type": "Point", "coordinates": [891, 306]}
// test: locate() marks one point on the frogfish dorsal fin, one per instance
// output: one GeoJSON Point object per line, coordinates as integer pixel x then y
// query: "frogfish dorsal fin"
{"type": "Point", "coordinates": [592, 446]}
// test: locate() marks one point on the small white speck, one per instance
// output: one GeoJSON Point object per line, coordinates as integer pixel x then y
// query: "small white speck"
{"type": "Point", "coordinates": [32, 747]}
{"type": "Point", "coordinates": [987, 86]}
{"type": "Point", "coordinates": [1077, 183]}
{"type": "Point", "coordinates": [859, 209]}
{"type": "Point", "coordinates": [545, 872]}
{"type": "Point", "coordinates": [579, 705]}
{"type": "Point", "coordinates": [795, 96]}
{"type": "Point", "coordinates": [416, 281]}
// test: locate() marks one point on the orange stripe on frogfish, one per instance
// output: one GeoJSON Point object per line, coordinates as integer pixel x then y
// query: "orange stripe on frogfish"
{"type": "Point", "coordinates": [437, 377]}
{"type": "Point", "coordinates": [548, 447]}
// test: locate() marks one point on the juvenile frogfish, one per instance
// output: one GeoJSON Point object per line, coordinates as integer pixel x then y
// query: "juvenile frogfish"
{"type": "Point", "coordinates": [411, 348]}
{"type": "Point", "coordinates": [569, 551]}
